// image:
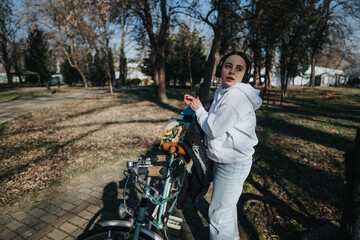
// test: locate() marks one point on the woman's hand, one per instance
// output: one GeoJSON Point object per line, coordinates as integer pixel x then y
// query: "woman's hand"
{"type": "Point", "coordinates": [188, 99]}
{"type": "Point", "coordinates": [195, 104]}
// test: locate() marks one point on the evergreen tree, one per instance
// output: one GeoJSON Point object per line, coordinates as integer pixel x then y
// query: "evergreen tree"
{"type": "Point", "coordinates": [70, 75]}
{"type": "Point", "coordinates": [182, 47]}
{"type": "Point", "coordinates": [98, 75]}
{"type": "Point", "coordinates": [37, 57]}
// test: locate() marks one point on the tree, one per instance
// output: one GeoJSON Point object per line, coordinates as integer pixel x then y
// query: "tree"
{"type": "Point", "coordinates": [156, 29]}
{"type": "Point", "coordinates": [185, 57]}
{"type": "Point", "coordinates": [122, 66]}
{"type": "Point", "coordinates": [222, 17]}
{"type": "Point", "coordinates": [265, 21]}
{"type": "Point", "coordinates": [98, 73]}
{"type": "Point", "coordinates": [122, 15]}
{"type": "Point", "coordinates": [100, 12]}
{"type": "Point", "coordinates": [330, 24]}
{"type": "Point", "coordinates": [18, 57]}
{"type": "Point", "coordinates": [73, 30]}
{"type": "Point", "coordinates": [70, 75]}
{"type": "Point", "coordinates": [293, 48]}
{"type": "Point", "coordinates": [273, 26]}
{"type": "Point", "coordinates": [37, 57]}
{"type": "Point", "coordinates": [317, 16]}
{"type": "Point", "coordinates": [256, 26]}
{"type": "Point", "coordinates": [8, 29]}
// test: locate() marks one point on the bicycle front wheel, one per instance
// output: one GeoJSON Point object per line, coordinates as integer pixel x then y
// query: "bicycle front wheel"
{"type": "Point", "coordinates": [112, 233]}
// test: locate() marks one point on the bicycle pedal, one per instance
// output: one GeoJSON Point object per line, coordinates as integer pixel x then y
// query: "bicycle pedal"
{"type": "Point", "coordinates": [176, 219]}
{"type": "Point", "coordinates": [173, 224]}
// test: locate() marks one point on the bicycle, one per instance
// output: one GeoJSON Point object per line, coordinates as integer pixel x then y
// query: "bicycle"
{"type": "Point", "coordinates": [170, 169]}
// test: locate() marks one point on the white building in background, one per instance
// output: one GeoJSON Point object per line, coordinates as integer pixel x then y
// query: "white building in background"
{"type": "Point", "coordinates": [133, 71]}
{"type": "Point", "coordinates": [323, 77]}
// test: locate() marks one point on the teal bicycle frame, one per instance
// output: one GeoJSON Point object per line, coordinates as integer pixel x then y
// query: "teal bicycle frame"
{"type": "Point", "coordinates": [161, 201]}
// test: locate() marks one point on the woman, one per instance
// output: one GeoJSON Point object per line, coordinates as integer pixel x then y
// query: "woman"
{"type": "Point", "coordinates": [230, 137]}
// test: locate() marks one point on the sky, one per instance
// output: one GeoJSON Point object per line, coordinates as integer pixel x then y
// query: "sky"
{"type": "Point", "coordinates": [131, 46]}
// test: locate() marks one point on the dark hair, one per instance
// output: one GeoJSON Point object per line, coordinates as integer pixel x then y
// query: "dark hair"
{"type": "Point", "coordinates": [241, 54]}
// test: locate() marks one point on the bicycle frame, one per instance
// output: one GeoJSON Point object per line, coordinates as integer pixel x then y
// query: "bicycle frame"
{"type": "Point", "coordinates": [161, 202]}
{"type": "Point", "coordinates": [142, 213]}
{"type": "Point", "coordinates": [165, 196]}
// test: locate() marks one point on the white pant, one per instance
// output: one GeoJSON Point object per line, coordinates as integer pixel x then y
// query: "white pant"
{"type": "Point", "coordinates": [227, 188]}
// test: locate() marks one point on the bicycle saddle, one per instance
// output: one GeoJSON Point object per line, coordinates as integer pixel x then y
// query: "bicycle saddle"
{"type": "Point", "coordinates": [173, 147]}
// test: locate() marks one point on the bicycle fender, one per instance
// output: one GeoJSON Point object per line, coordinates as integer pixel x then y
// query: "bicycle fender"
{"type": "Point", "coordinates": [117, 223]}
{"type": "Point", "coordinates": [122, 223]}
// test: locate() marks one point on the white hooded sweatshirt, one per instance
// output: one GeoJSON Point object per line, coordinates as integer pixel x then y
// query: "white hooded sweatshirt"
{"type": "Point", "coordinates": [230, 123]}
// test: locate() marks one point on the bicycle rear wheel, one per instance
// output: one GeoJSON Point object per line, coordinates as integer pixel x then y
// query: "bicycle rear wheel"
{"type": "Point", "coordinates": [111, 233]}
{"type": "Point", "coordinates": [356, 228]}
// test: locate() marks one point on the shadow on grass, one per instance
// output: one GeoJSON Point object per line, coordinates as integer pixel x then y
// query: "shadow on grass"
{"type": "Point", "coordinates": [311, 108]}
{"type": "Point", "coordinates": [297, 196]}
{"type": "Point", "coordinates": [291, 215]}
{"type": "Point", "coordinates": [308, 134]}
{"type": "Point", "coordinates": [149, 95]}
{"type": "Point", "coordinates": [52, 148]}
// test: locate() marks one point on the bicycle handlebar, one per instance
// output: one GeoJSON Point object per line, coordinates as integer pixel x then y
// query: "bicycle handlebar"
{"type": "Point", "coordinates": [151, 171]}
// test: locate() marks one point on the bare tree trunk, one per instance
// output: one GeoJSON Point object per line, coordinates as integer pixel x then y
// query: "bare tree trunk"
{"type": "Point", "coordinates": [312, 75]}
{"type": "Point", "coordinates": [214, 52]}
{"type": "Point", "coordinates": [284, 92]}
{"type": "Point", "coordinates": [17, 70]}
{"type": "Point", "coordinates": [190, 74]}
{"type": "Point", "coordinates": [122, 70]}
{"type": "Point", "coordinates": [162, 81]}
{"type": "Point", "coordinates": [257, 61]}
{"type": "Point", "coordinates": [122, 55]}
{"type": "Point", "coordinates": [110, 68]}
{"type": "Point", "coordinates": [189, 65]}
{"type": "Point", "coordinates": [269, 59]}
{"type": "Point", "coordinates": [209, 70]}
{"type": "Point", "coordinates": [111, 72]}
{"type": "Point", "coordinates": [188, 43]}
{"type": "Point", "coordinates": [8, 73]}
{"type": "Point", "coordinates": [76, 66]}
{"type": "Point", "coordinates": [157, 45]}
{"type": "Point", "coordinates": [6, 59]}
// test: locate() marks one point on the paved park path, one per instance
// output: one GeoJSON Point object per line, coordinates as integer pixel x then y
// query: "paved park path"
{"type": "Point", "coordinates": [66, 211]}
{"type": "Point", "coordinates": [11, 109]}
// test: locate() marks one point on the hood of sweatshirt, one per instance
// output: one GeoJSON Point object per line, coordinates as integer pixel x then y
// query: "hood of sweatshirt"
{"type": "Point", "coordinates": [251, 93]}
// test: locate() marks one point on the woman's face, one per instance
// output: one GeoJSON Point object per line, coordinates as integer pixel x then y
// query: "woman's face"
{"type": "Point", "coordinates": [232, 71]}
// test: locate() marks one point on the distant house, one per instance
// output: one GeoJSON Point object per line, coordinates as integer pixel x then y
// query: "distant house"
{"type": "Point", "coordinates": [323, 77]}
{"type": "Point", "coordinates": [134, 71]}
